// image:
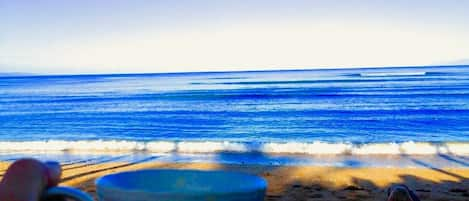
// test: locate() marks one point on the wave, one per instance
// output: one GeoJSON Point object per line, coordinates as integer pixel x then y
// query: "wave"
{"type": "Point", "coordinates": [311, 148]}
{"type": "Point", "coordinates": [384, 74]}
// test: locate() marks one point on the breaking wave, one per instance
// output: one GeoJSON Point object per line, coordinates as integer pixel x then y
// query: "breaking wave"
{"type": "Point", "coordinates": [311, 148]}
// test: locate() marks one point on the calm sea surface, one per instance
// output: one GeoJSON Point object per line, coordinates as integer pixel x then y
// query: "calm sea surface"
{"type": "Point", "coordinates": [237, 111]}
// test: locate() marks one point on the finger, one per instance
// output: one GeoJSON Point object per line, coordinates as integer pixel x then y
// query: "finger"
{"type": "Point", "coordinates": [54, 173]}
{"type": "Point", "coordinates": [24, 180]}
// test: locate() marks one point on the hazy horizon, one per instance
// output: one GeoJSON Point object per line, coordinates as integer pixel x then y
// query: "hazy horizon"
{"type": "Point", "coordinates": [92, 37]}
{"type": "Point", "coordinates": [10, 73]}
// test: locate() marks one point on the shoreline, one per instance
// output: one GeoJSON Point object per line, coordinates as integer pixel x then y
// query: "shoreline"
{"type": "Point", "coordinates": [300, 182]}
{"type": "Point", "coordinates": [292, 149]}
{"type": "Point", "coordinates": [232, 158]}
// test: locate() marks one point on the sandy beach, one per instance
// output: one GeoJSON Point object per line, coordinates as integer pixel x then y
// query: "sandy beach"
{"type": "Point", "coordinates": [303, 182]}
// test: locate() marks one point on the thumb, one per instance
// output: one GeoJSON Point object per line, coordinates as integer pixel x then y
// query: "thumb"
{"type": "Point", "coordinates": [26, 179]}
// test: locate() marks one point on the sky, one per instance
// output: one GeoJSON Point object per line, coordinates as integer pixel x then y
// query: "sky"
{"type": "Point", "coordinates": [143, 36]}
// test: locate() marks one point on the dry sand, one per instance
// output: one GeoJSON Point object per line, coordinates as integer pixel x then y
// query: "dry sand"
{"type": "Point", "coordinates": [304, 182]}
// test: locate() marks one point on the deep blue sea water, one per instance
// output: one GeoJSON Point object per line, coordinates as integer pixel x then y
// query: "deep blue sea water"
{"type": "Point", "coordinates": [422, 110]}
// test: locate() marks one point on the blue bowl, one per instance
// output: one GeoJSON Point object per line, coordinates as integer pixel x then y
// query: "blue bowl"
{"type": "Point", "coordinates": [180, 185]}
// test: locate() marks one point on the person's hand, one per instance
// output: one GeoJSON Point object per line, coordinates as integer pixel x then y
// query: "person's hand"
{"type": "Point", "coordinates": [26, 180]}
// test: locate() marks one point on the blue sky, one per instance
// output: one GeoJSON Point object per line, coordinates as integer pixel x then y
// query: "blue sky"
{"type": "Point", "coordinates": [98, 36]}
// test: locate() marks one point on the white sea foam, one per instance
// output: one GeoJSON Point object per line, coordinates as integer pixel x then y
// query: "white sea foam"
{"type": "Point", "coordinates": [365, 149]}
{"type": "Point", "coordinates": [310, 148]}
{"type": "Point", "coordinates": [382, 74]}
{"type": "Point", "coordinates": [305, 148]}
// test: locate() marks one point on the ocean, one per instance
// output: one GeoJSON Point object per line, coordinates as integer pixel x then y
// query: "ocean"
{"type": "Point", "coordinates": [307, 113]}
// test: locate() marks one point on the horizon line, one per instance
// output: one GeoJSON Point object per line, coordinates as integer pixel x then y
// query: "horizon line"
{"type": "Point", "coordinates": [27, 74]}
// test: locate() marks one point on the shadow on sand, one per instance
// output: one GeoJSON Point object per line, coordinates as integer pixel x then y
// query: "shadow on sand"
{"type": "Point", "coordinates": [316, 183]}
{"type": "Point", "coordinates": [301, 183]}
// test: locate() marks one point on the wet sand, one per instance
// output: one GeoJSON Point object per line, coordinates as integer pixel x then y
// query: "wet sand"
{"type": "Point", "coordinates": [303, 182]}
